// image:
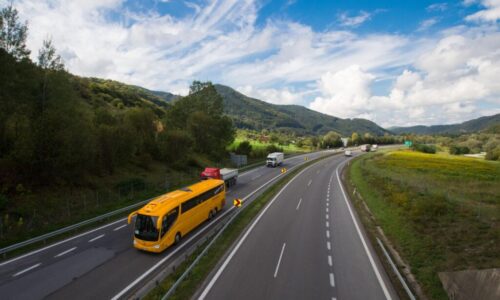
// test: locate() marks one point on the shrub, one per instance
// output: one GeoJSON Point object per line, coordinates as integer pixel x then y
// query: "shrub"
{"type": "Point", "coordinates": [458, 150]}
{"type": "Point", "coordinates": [424, 148]}
{"type": "Point", "coordinates": [273, 148]}
{"type": "Point", "coordinates": [493, 154]}
{"type": "Point", "coordinates": [244, 148]}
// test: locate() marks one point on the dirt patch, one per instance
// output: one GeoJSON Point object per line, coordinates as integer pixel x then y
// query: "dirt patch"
{"type": "Point", "coordinates": [472, 284]}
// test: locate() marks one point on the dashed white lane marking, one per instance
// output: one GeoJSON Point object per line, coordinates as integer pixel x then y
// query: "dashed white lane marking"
{"type": "Point", "coordinates": [65, 252]}
{"type": "Point", "coordinates": [330, 260]}
{"type": "Point", "coordinates": [26, 270]}
{"type": "Point", "coordinates": [96, 238]}
{"type": "Point", "coordinates": [328, 233]}
{"type": "Point", "coordinates": [328, 246]}
{"type": "Point", "coordinates": [119, 227]}
{"type": "Point", "coordinates": [327, 204]}
{"type": "Point", "coordinates": [327, 224]}
{"type": "Point", "coordinates": [332, 280]}
{"type": "Point", "coordinates": [327, 216]}
{"type": "Point", "coordinates": [309, 183]}
{"type": "Point", "coordinates": [298, 205]}
{"type": "Point", "coordinates": [279, 260]}
{"type": "Point", "coordinates": [327, 209]}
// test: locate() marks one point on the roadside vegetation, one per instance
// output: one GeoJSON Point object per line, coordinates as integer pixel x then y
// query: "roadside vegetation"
{"type": "Point", "coordinates": [440, 211]}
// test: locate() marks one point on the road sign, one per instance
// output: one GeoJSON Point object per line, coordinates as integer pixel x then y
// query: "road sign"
{"type": "Point", "coordinates": [408, 143]}
{"type": "Point", "coordinates": [237, 202]}
{"type": "Point", "coordinates": [283, 170]}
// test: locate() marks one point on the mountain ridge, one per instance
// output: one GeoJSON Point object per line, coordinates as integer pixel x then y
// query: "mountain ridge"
{"type": "Point", "coordinates": [474, 125]}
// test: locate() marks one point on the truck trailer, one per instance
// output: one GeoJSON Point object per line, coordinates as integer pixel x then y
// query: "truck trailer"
{"type": "Point", "coordinates": [228, 175]}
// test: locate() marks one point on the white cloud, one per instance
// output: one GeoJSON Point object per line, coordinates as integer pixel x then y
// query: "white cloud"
{"type": "Point", "coordinates": [426, 24]}
{"type": "Point", "coordinates": [353, 21]}
{"type": "Point", "coordinates": [437, 7]}
{"type": "Point", "coordinates": [444, 77]}
{"type": "Point", "coordinates": [275, 96]}
{"type": "Point", "coordinates": [490, 14]}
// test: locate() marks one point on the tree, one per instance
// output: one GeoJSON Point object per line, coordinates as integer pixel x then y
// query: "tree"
{"type": "Point", "coordinates": [355, 138]}
{"type": "Point", "coordinates": [13, 33]}
{"type": "Point", "coordinates": [244, 148]}
{"type": "Point", "coordinates": [47, 57]}
{"type": "Point", "coordinates": [197, 86]}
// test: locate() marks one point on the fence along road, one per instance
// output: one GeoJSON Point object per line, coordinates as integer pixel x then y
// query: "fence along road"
{"type": "Point", "coordinates": [102, 262]}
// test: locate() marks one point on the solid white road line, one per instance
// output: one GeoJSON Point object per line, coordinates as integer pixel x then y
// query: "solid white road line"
{"type": "Point", "coordinates": [298, 205]}
{"type": "Point", "coordinates": [26, 270]}
{"type": "Point", "coordinates": [64, 252]}
{"type": "Point", "coordinates": [61, 242]}
{"type": "Point", "coordinates": [181, 246]}
{"type": "Point", "coordinates": [368, 253]}
{"type": "Point", "coordinates": [330, 260]}
{"type": "Point", "coordinates": [96, 238]}
{"type": "Point", "coordinates": [328, 245]}
{"type": "Point", "coordinates": [332, 280]}
{"type": "Point", "coordinates": [279, 261]}
{"type": "Point", "coordinates": [120, 227]}
{"type": "Point", "coordinates": [243, 238]}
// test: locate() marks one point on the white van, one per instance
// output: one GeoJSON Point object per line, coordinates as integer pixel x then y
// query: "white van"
{"type": "Point", "coordinates": [275, 159]}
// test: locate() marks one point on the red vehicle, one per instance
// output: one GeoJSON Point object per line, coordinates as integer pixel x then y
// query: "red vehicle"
{"type": "Point", "coordinates": [228, 175]}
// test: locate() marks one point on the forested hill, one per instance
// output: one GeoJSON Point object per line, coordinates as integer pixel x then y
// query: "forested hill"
{"type": "Point", "coordinates": [255, 114]}
{"type": "Point", "coordinates": [475, 125]}
{"type": "Point", "coordinates": [57, 128]}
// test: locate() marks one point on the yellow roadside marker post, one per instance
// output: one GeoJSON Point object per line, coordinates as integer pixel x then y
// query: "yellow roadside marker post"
{"type": "Point", "coordinates": [237, 202]}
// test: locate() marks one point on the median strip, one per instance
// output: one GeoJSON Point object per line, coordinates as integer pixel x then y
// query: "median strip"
{"type": "Point", "coordinates": [190, 283]}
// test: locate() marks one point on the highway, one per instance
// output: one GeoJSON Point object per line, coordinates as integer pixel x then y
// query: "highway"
{"type": "Point", "coordinates": [307, 243]}
{"type": "Point", "coordinates": [102, 263]}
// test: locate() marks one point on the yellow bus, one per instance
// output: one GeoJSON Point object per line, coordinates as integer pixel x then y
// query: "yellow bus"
{"type": "Point", "coordinates": [167, 218]}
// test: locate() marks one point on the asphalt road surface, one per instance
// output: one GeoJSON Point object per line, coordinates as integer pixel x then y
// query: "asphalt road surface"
{"type": "Point", "coordinates": [306, 244]}
{"type": "Point", "coordinates": [102, 263]}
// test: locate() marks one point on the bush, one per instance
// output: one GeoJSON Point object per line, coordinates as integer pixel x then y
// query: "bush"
{"type": "Point", "coordinates": [244, 148]}
{"type": "Point", "coordinates": [458, 150]}
{"type": "Point", "coordinates": [493, 154]}
{"type": "Point", "coordinates": [424, 148]}
{"type": "Point", "coordinates": [273, 148]}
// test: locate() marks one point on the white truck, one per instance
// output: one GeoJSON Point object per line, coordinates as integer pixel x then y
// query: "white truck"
{"type": "Point", "coordinates": [275, 159]}
{"type": "Point", "coordinates": [365, 148]}
{"type": "Point", "coordinates": [228, 175]}
{"type": "Point", "coordinates": [374, 147]}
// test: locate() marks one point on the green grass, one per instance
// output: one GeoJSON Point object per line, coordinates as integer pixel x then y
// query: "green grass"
{"type": "Point", "coordinates": [290, 148]}
{"type": "Point", "coordinates": [193, 281]}
{"type": "Point", "coordinates": [440, 211]}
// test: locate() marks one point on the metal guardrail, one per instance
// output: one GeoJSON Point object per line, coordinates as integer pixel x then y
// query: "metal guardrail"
{"type": "Point", "coordinates": [52, 234]}
{"type": "Point", "coordinates": [49, 235]}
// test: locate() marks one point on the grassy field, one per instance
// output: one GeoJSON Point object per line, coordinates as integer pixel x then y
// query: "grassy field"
{"type": "Point", "coordinates": [440, 211]}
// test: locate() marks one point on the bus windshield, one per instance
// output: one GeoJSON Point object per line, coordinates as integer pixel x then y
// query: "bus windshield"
{"type": "Point", "coordinates": [145, 228]}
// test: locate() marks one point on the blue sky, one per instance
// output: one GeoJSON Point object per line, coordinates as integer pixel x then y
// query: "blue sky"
{"type": "Point", "coordinates": [394, 62]}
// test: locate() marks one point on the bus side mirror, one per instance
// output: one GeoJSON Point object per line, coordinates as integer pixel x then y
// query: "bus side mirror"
{"type": "Point", "coordinates": [129, 220]}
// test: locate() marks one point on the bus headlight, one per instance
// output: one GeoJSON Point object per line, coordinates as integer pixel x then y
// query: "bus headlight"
{"type": "Point", "coordinates": [156, 246]}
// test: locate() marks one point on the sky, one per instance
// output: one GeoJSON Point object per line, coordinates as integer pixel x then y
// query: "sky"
{"type": "Point", "coordinates": [397, 63]}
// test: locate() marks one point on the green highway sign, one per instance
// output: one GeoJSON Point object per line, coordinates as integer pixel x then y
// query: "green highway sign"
{"type": "Point", "coordinates": [408, 143]}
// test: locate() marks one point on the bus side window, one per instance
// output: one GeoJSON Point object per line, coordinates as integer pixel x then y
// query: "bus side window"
{"type": "Point", "coordinates": [168, 220]}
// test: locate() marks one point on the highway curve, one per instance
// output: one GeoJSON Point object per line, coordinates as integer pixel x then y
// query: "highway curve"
{"type": "Point", "coordinates": [306, 244]}
{"type": "Point", "coordinates": [102, 263]}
